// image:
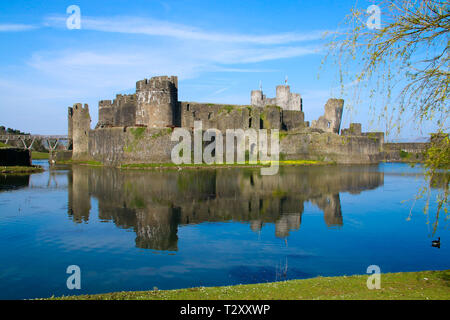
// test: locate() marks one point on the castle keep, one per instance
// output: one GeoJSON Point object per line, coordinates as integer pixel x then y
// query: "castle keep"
{"type": "Point", "coordinates": [136, 128]}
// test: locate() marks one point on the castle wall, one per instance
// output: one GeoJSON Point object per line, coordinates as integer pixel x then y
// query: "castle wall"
{"type": "Point", "coordinates": [120, 112]}
{"type": "Point", "coordinates": [119, 145]}
{"type": "Point", "coordinates": [116, 146]}
{"type": "Point", "coordinates": [217, 116]}
{"type": "Point", "coordinates": [404, 152]}
{"type": "Point", "coordinates": [224, 117]}
{"type": "Point", "coordinates": [354, 129]}
{"type": "Point", "coordinates": [331, 147]}
{"type": "Point", "coordinates": [293, 120]}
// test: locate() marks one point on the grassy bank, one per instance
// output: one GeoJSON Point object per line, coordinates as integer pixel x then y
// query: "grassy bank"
{"type": "Point", "coordinates": [35, 155]}
{"type": "Point", "coordinates": [224, 165]}
{"type": "Point", "coordinates": [20, 170]}
{"type": "Point", "coordinates": [81, 162]}
{"type": "Point", "coordinates": [408, 285]}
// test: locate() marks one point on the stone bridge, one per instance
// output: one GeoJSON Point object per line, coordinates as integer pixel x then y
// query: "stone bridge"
{"type": "Point", "coordinates": [28, 140]}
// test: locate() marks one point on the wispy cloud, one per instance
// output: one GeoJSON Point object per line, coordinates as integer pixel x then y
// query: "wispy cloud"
{"type": "Point", "coordinates": [84, 70]}
{"type": "Point", "coordinates": [152, 27]}
{"type": "Point", "coordinates": [16, 27]}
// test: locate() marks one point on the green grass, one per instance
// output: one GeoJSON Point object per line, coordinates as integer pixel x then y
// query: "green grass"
{"type": "Point", "coordinates": [421, 285]}
{"type": "Point", "coordinates": [35, 155]}
{"type": "Point", "coordinates": [81, 162]}
{"type": "Point", "coordinates": [224, 165]}
{"type": "Point", "coordinates": [20, 169]}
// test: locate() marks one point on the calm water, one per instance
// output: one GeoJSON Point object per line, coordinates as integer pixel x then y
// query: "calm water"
{"type": "Point", "coordinates": [136, 230]}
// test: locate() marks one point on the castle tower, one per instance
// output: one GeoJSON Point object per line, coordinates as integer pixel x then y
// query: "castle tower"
{"type": "Point", "coordinates": [287, 100]}
{"type": "Point", "coordinates": [331, 120]}
{"type": "Point", "coordinates": [105, 114]}
{"type": "Point", "coordinates": [257, 98]}
{"type": "Point", "coordinates": [79, 126]}
{"type": "Point", "coordinates": [157, 101]}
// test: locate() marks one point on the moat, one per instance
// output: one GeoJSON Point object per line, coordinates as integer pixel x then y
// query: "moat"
{"type": "Point", "coordinates": [136, 230]}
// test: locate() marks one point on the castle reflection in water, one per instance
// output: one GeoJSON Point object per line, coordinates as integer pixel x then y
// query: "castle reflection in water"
{"type": "Point", "coordinates": [154, 203]}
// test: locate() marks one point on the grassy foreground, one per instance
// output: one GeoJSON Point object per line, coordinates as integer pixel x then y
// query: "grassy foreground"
{"type": "Point", "coordinates": [407, 285]}
{"type": "Point", "coordinates": [20, 169]}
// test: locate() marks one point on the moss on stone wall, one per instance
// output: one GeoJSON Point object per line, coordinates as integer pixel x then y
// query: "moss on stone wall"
{"type": "Point", "coordinates": [404, 154]}
{"type": "Point", "coordinates": [161, 133]}
{"type": "Point", "coordinates": [138, 133]}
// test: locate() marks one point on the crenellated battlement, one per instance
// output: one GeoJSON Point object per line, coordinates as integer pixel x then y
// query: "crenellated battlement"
{"type": "Point", "coordinates": [157, 101]}
{"type": "Point", "coordinates": [158, 83]}
{"type": "Point", "coordinates": [78, 109]}
{"type": "Point", "coordinates": [105, 104]}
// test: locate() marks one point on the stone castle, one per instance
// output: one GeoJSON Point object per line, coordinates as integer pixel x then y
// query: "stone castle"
{"type": "Point", "coordinates": [136, 128]}
{"type": "Point", "coordinates": [155, 105]}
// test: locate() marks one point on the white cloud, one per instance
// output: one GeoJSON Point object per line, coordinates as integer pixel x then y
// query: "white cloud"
{"type": "Point", "coordinates": [88, 71]}
{"type": "Point", "coordinates": [152, 27]}
{"type": "Point", "coordinates": [16, 27]}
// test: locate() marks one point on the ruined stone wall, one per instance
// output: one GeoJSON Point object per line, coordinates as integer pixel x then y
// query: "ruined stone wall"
{"type": "Point", "coordinates": [355, 129]}
{"type": "Point", "coordinates": [157, 102]}
{"type": "Point", "coordinates": [120, 112]}
{"type": "Point", "coordinates": [331, 120]}
{"type": "Point", "coordinates": [404, 152]}
{"type": "Point", "coordinates": [224, 117]}
{"type": "Point", "coordinates": [119, 145]}
{"type": "Point", "coordinates": [216, 116]}
{"type": "Point", "coordinates": [285, 99]}
{"type": "Point", "coordinates": [312, 145]}
{"type": "Point", "coordinates": [80, 126]}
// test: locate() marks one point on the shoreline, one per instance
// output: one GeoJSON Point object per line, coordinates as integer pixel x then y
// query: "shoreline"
{"type": "Point", "coordinates": [421, 285]}
{"type": "Point", "coordinates": [21, 169]}
{"type": "Point", "coordinates": [172, 166]}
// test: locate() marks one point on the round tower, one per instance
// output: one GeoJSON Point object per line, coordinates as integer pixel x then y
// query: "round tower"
{"type": "Point", "coordinates": [157, 100]}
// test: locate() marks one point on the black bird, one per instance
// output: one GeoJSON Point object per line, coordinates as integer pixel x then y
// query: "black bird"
{"type": "Point", "coordinates": [436, 243]}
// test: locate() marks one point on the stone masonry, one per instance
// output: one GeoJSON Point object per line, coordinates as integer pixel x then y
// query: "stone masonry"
{"type": "Point", "coordinates": [136, 128]}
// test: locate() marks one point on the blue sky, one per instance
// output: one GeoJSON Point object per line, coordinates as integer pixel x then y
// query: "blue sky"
{"type": "Point", "coordinates": [220, 50]}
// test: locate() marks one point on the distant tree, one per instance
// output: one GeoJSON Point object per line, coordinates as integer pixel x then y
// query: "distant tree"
{"type": "Point", "coordinates": [403, 65]}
